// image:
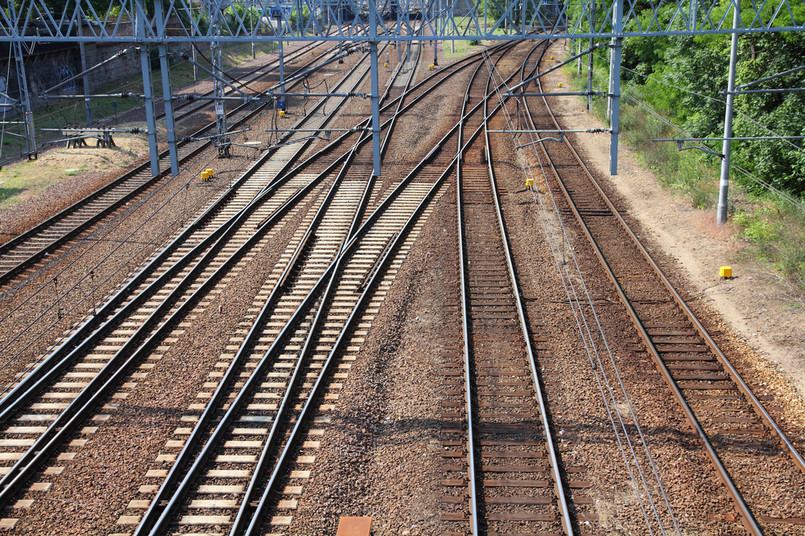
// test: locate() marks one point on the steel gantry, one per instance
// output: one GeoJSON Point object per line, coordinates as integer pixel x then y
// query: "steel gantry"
{"type": "Point", "coordinates": [215, 22]}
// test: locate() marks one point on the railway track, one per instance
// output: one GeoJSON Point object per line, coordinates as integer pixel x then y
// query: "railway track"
{"type": "Point", "coordinates": [236, 454]}
{"type": "Point", "coordinates": [88, 366]}
{"type": "Point", "coordinates": [25, 251]}
{"type": "Point", "coordinates": [85, 378]}
{"type": "Point", "coordinates": [34, 313]}
{"type": "Point", "coordinates": [495, 416]}
{"type": "Point", "coordinates": [739, 435]}
{"type": "Point", "coordinates": [254, 462]}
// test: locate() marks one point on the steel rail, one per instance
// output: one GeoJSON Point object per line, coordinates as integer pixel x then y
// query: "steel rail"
{"type": "Point", "coordinates": [536, 379]}
{"type": "Point", "coordinates": [19, 473]}
{"type": "Point", "coordinates": [464, 282]}
{"type": "Point", "coordinates": [160, 525]}
{"type": "Point", "coordinates": [457, 65]}
{"type": "Point", "coordinates": [259, 511]}
{"type": "Point", "coordinates": [117, 183]}
{"type": "Point", "coordinates": [94, 392]}
{"type": "Point", "coordinates": [270, 67]}
{"type": "Point", "coordinates": [22, 473]}
{"type": "Point", "coordinates": [120, 364]}
{"type": "Point", "coordinates": [262, 464]}
{"type": "Point", "coordinates": [156, 518]}
{"type": "Point", "coordinates": [471, 476]}
{"type": "Point", "coordinates": [36, 379]}
{"type": "Point", "coordinates": [748, 519]}
{"type": "Point", "coordinates": [85, 334]}
{"type": "Point", "coordinates": [722, 358]}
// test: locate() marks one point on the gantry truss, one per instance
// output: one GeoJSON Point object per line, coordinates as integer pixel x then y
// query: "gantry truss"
{"type": "Point", "coordinates": [269, 20]}
{"type": "Point", "coordinates": [161, 23]}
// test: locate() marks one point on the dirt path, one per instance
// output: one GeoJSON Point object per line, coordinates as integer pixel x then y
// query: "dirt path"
{"type": "Point", "coordinates": [755, 303]}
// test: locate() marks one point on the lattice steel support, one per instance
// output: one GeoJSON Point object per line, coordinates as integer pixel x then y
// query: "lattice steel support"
{"type": "Point", "coordinates": [375, 90]}
{"type": "Point", "coordinates": [222, 141]}
{"type": "Point", "coordinates": [167, 94]}
{"type": "Point", "coordinates": [282, 75]}
{"type": "Point", "coordinates": [85, 79]}
{"type": "Point", "coordinates": [724, 182]}
{"type": "Point", "coordinates": [25, 98]}
{"type": "Point", "coordinates": [615, 84]}
{"type": "Point", "coordinates": [590, 62]}
{"type": "Point", "coordinates": [25, 102]}
{"type": "Point", "coordinates": [145, 66]}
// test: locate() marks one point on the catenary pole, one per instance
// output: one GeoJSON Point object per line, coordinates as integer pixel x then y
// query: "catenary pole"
{"type": "Point", "coordinates": [145, 67]}
{"type": "Point", "coordinates": [615, 85]}
{"type": "Point", "coordinates": [724, 183]}
{"type": "Point", "coordinates": [85, 79]}
{"type": "Point", "coordinates": [166, 87]}
{"type": "Point", "coordinates": [375, 87]}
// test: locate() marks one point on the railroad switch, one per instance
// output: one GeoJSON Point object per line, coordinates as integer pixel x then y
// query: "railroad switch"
{"type": "Point", "coordinates": [529, 183]}
{"type": "Point", "coordinates": [354, 526]}
{"type": "Point", "coordinates": [725, 272]}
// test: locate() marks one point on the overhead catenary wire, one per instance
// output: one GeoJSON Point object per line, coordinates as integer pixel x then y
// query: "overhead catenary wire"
{"type": "Point", "coordinates": [124, 241]}
{"type": "Point", "coordinates": [104, 230]}
{"type": "Point", "coordinates": [777, 136]}
{"type": "Point", "coordinates": [57, 303]}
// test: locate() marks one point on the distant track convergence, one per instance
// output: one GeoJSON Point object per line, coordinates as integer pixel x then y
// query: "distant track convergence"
{"type": "Point", "coordinates": [760, 468]}
{"type": "Point", "coordinates": [270, 431]}
{"type": "Point", "coordinates": [512, 481]}
{"type": "Point", "coordinates": [105, 358]}
{"type": "Point", "coordinates": [502, 472]}
{"type": "Point", "coordinates": [22, 253]}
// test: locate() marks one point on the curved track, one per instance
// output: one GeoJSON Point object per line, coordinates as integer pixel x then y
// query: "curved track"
{"type": "Point", "coordinates": [114, 350]}
{"type": "Point", "coordinates": [23, 252]}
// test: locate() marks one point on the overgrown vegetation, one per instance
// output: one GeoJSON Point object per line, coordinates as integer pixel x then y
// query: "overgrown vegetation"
{"type": "Point", "coordinates": [671, 89]}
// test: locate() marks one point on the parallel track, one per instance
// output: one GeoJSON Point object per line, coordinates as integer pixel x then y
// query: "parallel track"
{"type": "Point", "coordinates": [737, 432]}
{"type": "Point", "coordinates": [89, 369]}
{"type": "Point", "coordinates": [87, 366]}
{"type": "Point", "coordinates": [23, 252]}
{"type": "Point", "coordinates": [513, 482]}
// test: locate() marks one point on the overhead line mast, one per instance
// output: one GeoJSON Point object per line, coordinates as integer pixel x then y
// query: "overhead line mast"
{"type": "Point", "coordinates": [31, 22]}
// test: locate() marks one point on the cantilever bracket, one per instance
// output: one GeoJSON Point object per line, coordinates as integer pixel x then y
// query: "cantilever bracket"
{"type": "Point", "coordinates": [702, 149]}
{"type": "Point", "coordinates": [560, 138]}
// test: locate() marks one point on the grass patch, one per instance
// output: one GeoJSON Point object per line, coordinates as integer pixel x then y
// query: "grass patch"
{"type": "Point", "coordinates": [22, 181]}
{"type": "Point", "coordinates": [775, 232]}
{"type": "Point", "coordinates": [459, 48]}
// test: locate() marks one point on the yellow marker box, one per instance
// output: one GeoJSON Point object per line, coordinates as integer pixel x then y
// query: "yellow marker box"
{"type": "Point", "coordinates": [725, 272]}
